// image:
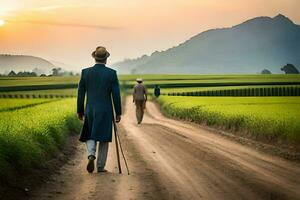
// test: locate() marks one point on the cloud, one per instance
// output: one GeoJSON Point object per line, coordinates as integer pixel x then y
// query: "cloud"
{"type": "Point", "coordinates": [37, 22]}
{"type": "Point", "coordinates": [45, 8]}
{"type": "Point", "coordinates": [56, 7]}
{"type": "Point", "coordinates": [28, 15]}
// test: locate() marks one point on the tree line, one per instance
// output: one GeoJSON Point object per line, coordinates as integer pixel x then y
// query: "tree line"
{"type": "Point", "coordinates": [55, 72]}
{"type": "Point", "coordinates": [288, 69]}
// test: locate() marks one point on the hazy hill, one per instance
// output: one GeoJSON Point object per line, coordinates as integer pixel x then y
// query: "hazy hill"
{"type": "Point", "coordinates": [24, 63]}
{"type": "Point", "coordinates": [257, 44]}
{"type": "Point", "coordinates": [64, 66]}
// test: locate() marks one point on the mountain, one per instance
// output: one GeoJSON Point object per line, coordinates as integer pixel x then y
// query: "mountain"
{"type": "Point", "coordinates": [24, 63]}
{"type": "Point", "coordinates": [257, 44]}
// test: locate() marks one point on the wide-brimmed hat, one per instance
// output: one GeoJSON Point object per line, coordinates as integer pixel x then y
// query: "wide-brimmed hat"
{"type": "Point", "coordinates": [139, 80]}
{"type": "Point", "coordinates": [100, 53]}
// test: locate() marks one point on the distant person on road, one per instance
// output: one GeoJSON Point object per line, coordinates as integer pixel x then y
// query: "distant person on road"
{"type": "Point", "coordinates": [101, 86]}
{"type": "Point", "coordinates": [157, 91]}
{"type": "Point", "coordinates": [139, 98]}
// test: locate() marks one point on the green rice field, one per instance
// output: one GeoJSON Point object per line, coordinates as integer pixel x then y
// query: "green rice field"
{"type": "Point", "coordinates": [31, 135]}
{"type": "Point", "coordinates": [24, 81]}
{"type": "Point", "coordinates": [13, 104]}
{"type": "Point", "coordinates": [268, 117]}
{"type": "Point", "coordinates": [157, 79]}
{"type": "Point", "coordinates": [195, 89]}
{"type": "Point", "coordinates": [42, 111]}
{"type": "Point", "coordinates": [214, 78]}
{"type": "Point", "coordinates": [43, 93]}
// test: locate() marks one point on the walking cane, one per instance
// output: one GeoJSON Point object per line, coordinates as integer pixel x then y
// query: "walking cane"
{"type": "Point", "coordinates": [117, 146]}
{"type": "Point", "coordinates": [118, 141]}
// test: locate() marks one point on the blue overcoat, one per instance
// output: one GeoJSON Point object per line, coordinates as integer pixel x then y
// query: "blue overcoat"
{"type": "Point", "coordinates": [101, 87]}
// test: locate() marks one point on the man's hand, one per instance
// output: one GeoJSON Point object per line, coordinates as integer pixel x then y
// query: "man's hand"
{"type": "Point", "coordinates": [80, 116]}
{"type": "Point", "coordinates": [118, 118]}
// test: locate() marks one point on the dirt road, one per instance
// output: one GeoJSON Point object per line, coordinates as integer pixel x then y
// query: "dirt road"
{"type": "Point", "coordinates": [170, 159]}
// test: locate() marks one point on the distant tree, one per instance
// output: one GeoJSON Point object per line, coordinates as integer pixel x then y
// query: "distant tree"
{"type": "Point", "coordinates": [56, 71]}
{"type": "Point", "coordinates": [290, 69]}
{"type": "Point", "coordinates": [43, 75]}
{"type": "Point", "coordinates": [61, 72]}
{"type": "Point", "coordinates": [12, 73]}
{"type": "Point", "coordinates": [26, 74]}
{"type": "Point", "coordinates": [265, 71]}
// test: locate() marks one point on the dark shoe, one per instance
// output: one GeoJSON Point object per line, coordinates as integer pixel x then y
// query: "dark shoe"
{"type": "Point", "coordinates": [90, 166]}
{"type": "Point", "coordinates": [101, 170]}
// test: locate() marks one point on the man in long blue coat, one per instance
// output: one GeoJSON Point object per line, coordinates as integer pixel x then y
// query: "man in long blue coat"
{"type": "Point", "coordinates": [101, 86]}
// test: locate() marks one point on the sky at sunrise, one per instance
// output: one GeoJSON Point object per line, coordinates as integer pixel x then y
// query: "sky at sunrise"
{"type": "Point", "coordinates": [68, 31]}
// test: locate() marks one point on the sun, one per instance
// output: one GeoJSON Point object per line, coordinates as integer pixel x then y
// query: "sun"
{"type": "Point", "coordinates": [2, 22]}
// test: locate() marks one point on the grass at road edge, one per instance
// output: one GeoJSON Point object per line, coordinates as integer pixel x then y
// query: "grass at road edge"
{"type": "Point", "coordinates": [31, 136]}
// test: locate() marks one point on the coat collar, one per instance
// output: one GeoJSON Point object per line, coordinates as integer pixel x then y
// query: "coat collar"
{"type": "Point", "coordinates": [99, 64]}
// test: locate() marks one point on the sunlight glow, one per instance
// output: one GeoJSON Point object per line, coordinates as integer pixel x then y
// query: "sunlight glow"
{"type": "Point", "coordinates": [2, 22]}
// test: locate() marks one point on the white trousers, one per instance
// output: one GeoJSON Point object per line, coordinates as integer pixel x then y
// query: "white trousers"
{"type": "Point", "coordinates": [102, 152]}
